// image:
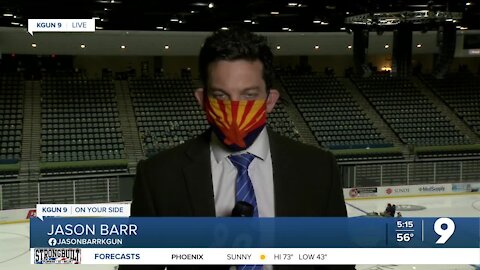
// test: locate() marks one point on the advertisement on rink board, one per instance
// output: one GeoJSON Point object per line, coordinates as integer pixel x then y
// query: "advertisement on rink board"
{"type": "Point", "coordinates": [362, 192]}
{"type": "Point", "coordinates": [408, 190]}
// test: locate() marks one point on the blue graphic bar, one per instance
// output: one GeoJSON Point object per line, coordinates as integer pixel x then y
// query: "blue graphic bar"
{"type": "Point", "coordinates": [361, 232]}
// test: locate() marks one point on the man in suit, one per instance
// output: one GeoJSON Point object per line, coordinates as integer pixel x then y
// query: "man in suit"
{"type": "Point", "coordinates": [202, 177]}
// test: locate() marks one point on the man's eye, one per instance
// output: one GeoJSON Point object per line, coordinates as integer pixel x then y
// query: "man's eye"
{"type": "Point", "coordinates": [219, 95]}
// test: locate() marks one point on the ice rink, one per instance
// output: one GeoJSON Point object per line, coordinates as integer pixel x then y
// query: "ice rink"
{"type": "Point", "coordinates": [14, 238]}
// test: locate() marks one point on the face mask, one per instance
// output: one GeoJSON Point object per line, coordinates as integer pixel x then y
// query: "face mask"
{"type": "Point", "coordinates": [236, 123]}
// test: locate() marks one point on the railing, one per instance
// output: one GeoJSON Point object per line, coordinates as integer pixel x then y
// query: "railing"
{"type": "Point", "coordinates": [410, 173]}
{"type": "Point", "coordinates": [88, 190]}
{"type": "Point", "coordinates": [106, 189]}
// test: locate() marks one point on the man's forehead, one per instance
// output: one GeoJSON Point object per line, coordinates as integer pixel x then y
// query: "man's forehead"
{"type": "Point", "coordinates": [238, 62]}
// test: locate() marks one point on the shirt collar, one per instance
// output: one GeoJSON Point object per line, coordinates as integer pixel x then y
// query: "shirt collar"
{"type": "Point", "coordinates": [260, 147]}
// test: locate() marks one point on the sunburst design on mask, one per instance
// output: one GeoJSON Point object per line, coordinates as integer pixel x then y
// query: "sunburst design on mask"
{"type": "Point", "coordinates": [236, 119]}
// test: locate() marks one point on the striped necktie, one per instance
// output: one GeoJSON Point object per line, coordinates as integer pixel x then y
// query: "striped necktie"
{"type": "Point", "coordinates": [244, 191]}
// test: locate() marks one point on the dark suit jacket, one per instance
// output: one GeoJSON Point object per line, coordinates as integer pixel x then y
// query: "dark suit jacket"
{"type": "Point", "coordinates": [178, 182]}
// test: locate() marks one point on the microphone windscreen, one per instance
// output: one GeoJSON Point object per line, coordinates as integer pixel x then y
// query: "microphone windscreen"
{"type": "Point", "coordinates": [242, 209]}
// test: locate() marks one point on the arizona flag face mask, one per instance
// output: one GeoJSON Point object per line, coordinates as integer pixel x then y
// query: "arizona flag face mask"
{"type": "Point", "coordinates": [236, 123]}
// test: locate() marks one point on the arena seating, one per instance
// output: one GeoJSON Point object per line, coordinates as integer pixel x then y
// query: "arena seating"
{"type": "Point", "coordinates": [408, 112]}
{"type": "Point", "coordinates": [79, 121]}
{"type": "Point", "coordinates": [333, 116]}
{"type": "Point", "coordinates": [281, 123]}
{"type": "Point", "coordinates": [166, 112]}
{"type": "Point", "coordinates": [461, 92]}
{"type": "Point", "coordinates": [12, 90]}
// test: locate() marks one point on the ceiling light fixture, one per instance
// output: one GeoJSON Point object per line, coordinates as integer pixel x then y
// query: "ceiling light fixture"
{"type": "Point", "coordinates": [123, 47]}
{"type": "Point", "coordinates": [224, 28]}
{"type": "Point", "coordinates": [274, 12]}
{"type": "Point", "coordinates": [34, 45]}
{"type": "Point", "coordinates": [349, 46]}
{"type": "Point", "coordinates": [278, 47]}
{"type": "Point", "coordinates": [211, 5]}
{"type": "Point", "coordinates": [167, 47]}
{"type": "Point", "coordinates": [317, 47]}
{"type": "Point", "coordinates": [82, 46]}
{"type": "Point", "coordinates": [387, 46]}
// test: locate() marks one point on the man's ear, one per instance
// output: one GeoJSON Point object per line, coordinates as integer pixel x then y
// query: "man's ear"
{"type": "Point", "coordinates": [272, 98]}
{"type": "Point", "coordinates": [199, 95]}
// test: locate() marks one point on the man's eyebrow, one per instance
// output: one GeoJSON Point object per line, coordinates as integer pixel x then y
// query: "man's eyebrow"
{"type": "Point", "coordinates": [251, 88]}
{"type": "Point", "coordinates": [214, 89]}
{"type": "Point", "coordinates": [255, 88]}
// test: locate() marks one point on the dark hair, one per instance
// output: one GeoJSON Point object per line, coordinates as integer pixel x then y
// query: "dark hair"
{"type": "Point", "coordinates": [236, 44]}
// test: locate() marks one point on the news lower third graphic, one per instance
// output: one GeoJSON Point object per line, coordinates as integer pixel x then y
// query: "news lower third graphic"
{"type": "Point", "coordinates": [230, 241]}
{"type": "Point", "coordinates": [61, 25]}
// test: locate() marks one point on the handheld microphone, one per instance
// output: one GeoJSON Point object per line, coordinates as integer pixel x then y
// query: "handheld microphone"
{"type": "Point", "coordinates": [242, 209]}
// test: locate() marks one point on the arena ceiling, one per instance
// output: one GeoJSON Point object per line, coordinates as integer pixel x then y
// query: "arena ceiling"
{"type": "Point", "coordinates": [257, 15]}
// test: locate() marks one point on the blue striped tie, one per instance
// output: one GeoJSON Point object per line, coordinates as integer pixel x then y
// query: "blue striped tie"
{"type": "Point", "coordinates": [244, 188]}
{"type": "Point", "coordinates": [244, 191]}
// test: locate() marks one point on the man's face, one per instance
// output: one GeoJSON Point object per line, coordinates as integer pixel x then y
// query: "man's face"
{"type": "Point", "coordinates": [237, 80]}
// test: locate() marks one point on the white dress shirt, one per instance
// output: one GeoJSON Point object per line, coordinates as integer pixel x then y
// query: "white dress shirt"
{"type": "Point", "coordinates": [224, 176]}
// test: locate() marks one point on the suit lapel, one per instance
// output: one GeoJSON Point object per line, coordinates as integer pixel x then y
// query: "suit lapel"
{"type": "Point", "coordinates": [198, 176]}
{"type": "Point", "coordinates": [282, 176]}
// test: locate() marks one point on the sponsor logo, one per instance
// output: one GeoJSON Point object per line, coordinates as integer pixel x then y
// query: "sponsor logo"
{"type": "Point", "coordinates": [397, 190]}
{"type": "Point", "coordinates": [57, 256]}
{"type": "Point", "coordinates": [363, 192]}
{"type": "Point", "coordinates": [31, 213]}
{"type": "Point", "coordinates": [409, 207]}
{"type": "Point", "coordinates": [461, 187]}
{"type": "Point", "coordinates": [401, 190]}
{"type": "Point", "coordinates": [466, 187]}
{"type": "Point", "coordinates": [353, 193]}
{"type": "Point", "coordinates": [367, 190]}
{"type": "Point", "coordinates": [431, 189]}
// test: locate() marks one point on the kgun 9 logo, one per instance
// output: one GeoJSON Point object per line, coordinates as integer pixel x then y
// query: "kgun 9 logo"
{"type": "Point", "coordinates": [445, 228]}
